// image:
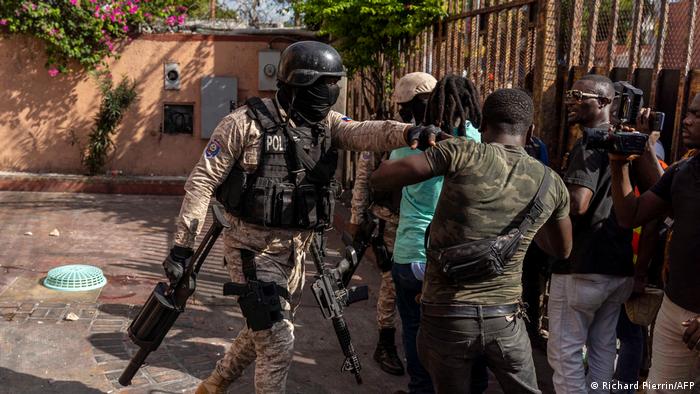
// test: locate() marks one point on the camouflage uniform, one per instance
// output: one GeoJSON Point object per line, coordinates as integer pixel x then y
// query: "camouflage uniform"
{"type": "Point", "coordinates": [279, 253]}
{"type": "Point", "coordinates": [386, 302]}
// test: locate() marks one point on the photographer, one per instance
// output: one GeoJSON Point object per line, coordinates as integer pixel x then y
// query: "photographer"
{"type": "Point", "coordinates": [677, 329]}
{"type": "Point", "coordinates": [587, 291]}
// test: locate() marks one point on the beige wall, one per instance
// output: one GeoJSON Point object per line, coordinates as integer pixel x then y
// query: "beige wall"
{"type": "Point", "coordinates": [43, 120]}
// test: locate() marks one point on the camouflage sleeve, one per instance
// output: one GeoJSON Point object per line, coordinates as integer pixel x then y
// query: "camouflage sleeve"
{"type": "Point", "coordinates": [453, 155]}
{"type": "Point", "coordinates": [224, 148]}
{"type": "Point", "coordinates": [360, 190]}
{"type": "Point", "coordinates": [373, 136]}
{"type": "Point", "coordinates": [561, 197]}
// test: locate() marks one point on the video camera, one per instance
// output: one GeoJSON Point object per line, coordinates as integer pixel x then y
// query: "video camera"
{"type": "Point", "coordinates": [630, 100]}
{"type": "Point", "coordinates": [624, 143]}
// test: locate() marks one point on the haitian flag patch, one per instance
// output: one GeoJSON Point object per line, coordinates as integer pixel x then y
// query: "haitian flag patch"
{"type": "Point", "coordinates": [346, 118]}
{"type": "Point", "coordinates": [213, 149]}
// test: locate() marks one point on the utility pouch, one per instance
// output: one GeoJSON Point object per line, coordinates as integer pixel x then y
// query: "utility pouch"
{"type": "Point", "coordinates": [326, 204]}
{"type": "Point", "coordinates": [260, 304]}
{"type": "Point", "coordinates": [257, 204]}
{"type": "Point", "coordinates": [481, 259]}
{"type": "Point", "coordinates": [231, 190]}
{"type": "Point", "coordinates": [305, 201]}
{"type": "Point", "coordinates": [283, 205]}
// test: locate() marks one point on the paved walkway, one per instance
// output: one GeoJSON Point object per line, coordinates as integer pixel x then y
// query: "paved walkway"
{"type": "Point", "coordinates": [127, 237]}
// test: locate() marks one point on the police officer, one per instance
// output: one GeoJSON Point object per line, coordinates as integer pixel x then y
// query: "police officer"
{"type": "Point", "coordinates": [271, 163]}
{"type": "Point", "coordinates": [411, 94]}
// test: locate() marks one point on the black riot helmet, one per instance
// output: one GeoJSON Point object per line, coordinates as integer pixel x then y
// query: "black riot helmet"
{"type": "Point", "coordinates": [304, 62]}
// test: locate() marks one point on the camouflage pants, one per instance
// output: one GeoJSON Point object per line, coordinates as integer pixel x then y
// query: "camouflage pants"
{"type": "Point", "coordinates": [270, 349]}
{"type": "Point", "coordinates": [386, 301]}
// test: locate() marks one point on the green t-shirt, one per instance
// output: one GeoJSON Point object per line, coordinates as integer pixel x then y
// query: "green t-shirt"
{"type": "Point", "coordinates": [486, 192]}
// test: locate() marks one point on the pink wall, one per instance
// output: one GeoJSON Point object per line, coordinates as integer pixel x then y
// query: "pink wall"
{"type": "Point", "coordinates": [43, 120]}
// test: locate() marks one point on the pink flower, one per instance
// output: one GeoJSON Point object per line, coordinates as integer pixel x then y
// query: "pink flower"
{"type": "Point", "coordinates": [74, 2]}
{"type": "Point", "coordinates": [133, 9]}
{"type": "Point", "coordinates": [171, 20]}
{"type": "Point", "coordinates": [181, 19]}
{"type": "Point", "coordinates": [3, 22]}
{"type": "Point", "coordinates": [125, 28]}
{"type": "Point", "coordinates": [53, 71]}
{"type": "Point", "coordinates": [148, 15]}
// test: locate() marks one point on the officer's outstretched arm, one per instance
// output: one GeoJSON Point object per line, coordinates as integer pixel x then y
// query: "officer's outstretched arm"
{"type": "Point", "coordinates": [222, 152]}
{"type": "Point", "coordinates": [394, 174]}
{"type": "Point", "coordinates": [373, 135]}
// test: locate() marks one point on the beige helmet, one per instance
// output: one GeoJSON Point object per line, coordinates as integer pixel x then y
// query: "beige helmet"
{"type": "Point", "coordinates": [642, 309]}
{"type": "Point", "coordinates": [412, 84]}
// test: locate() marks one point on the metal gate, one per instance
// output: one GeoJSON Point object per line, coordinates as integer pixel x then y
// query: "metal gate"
{"type": "Point", "coordinates": [544, 45]}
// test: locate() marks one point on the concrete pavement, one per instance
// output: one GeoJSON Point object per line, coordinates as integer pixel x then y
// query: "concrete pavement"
{"type": "Point", "coordinates": [127, 237]}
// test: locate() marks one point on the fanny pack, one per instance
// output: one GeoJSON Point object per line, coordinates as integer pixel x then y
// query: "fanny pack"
{"type": "Point", "coordinates": [486, 258]}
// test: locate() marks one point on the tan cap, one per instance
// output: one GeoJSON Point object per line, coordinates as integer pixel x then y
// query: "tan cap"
{"type": "Point", "coordinates": [412, 84]}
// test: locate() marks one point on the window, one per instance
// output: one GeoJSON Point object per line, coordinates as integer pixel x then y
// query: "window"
{"type": "Point", "coordinates": [178, 119]}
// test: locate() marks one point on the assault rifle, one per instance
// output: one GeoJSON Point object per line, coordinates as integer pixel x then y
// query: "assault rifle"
{"type": "Point", "coordinates": [332, 297]}
{"type": "Point", "coordinates": [166, 302]}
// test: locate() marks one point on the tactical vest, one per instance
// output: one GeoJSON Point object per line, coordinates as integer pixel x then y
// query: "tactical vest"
{"type": "Point", "coordinates": [390, 199]}
{"type": "Point", "coordinates": [293, 186]}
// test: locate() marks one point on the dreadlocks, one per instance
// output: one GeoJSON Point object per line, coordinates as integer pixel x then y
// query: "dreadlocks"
{"type": "Point", "coordinates": [454, 98]}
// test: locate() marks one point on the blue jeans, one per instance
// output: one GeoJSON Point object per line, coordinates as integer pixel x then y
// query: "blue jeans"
{"type": "Point", "coordinates": [407, 288]}
{"type": "Point", "coordinates": [629, 357]}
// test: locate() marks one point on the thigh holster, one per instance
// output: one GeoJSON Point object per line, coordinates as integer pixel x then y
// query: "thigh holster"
{"type": "Point", "coordinates": [259, 300]}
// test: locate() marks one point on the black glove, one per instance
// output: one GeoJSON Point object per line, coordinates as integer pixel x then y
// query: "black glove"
{"type": "Point", "coordinates": [423, 137]}
{"type": "Point", "coordinates": [174, 265]}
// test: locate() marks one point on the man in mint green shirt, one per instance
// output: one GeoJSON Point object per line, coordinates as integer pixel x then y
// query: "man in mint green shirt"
{"type": "Point", "coordinates": [417, 207]}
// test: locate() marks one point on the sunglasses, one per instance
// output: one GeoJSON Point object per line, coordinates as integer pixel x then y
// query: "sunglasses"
{"type": "Point", "coordinates": [579, 95]}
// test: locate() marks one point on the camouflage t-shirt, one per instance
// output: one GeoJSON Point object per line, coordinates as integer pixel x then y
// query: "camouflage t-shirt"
{"type": "Point", "coordinates": [487, 190]}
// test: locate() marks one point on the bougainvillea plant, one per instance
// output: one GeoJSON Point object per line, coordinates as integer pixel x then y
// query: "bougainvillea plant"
{"type": "Point", "coordinates": [86, 31]}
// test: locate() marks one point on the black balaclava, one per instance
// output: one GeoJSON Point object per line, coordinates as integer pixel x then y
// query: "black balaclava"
{"type": "Point", "coordinates": [310, 104]}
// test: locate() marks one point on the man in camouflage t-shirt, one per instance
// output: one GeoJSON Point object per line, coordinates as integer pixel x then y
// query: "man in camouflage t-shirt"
{"type": "Point", "coordinates": [487, 191]}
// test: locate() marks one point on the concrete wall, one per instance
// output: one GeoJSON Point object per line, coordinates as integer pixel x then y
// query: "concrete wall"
{"type": "Point", "coordinates": [44, 120]}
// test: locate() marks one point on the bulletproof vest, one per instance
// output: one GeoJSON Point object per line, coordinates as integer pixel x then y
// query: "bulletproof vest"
{"type": "Point", "coordinates": [390, 199]}
{"type": "Point", "coordinates": [293, 186]}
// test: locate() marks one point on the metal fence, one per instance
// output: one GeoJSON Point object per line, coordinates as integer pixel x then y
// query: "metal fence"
{"type": "Point", "coordinates": [544, 45]}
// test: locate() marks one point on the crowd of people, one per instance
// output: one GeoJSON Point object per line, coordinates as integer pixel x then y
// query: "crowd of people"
{"type": "Point", "coordinates": [473, 220]}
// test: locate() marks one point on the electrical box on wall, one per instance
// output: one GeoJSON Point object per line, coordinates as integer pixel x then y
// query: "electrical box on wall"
{"type": "Point", "coordinates": [172, 76]}
{"type": "Point", "coordinates": [268, 59]}
{"type": "Point", "coordinates": [219, 98]}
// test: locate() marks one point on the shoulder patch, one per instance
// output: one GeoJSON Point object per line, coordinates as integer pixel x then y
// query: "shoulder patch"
{"type": "Point", "coordinates": [346, 118]}
{"type": "Point", "coordinates": [213, 149]}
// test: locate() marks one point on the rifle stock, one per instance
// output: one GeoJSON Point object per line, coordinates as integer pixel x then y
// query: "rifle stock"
{"type": "Point", "coordinates": [166, 302]}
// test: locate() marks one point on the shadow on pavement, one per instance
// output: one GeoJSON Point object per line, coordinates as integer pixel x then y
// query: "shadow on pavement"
{"type": "Point", "coordinates": [12, 382]}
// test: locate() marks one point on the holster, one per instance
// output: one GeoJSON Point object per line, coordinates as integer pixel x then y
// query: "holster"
{"type": "Point", "coordinates": [259, 300]}
{"type": "Point", "coordinates": [381, 252]}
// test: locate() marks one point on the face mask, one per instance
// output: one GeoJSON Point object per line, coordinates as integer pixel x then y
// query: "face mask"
{"type": "Point", "coordinates": [406, 113]}
{"type": "Point", "coordinates": [418, 107]}
{"type": "Point", "coordinates": [313, 103]}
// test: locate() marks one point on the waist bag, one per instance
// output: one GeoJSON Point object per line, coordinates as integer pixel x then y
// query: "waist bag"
{"type": "Point", "coordinates": [488, 257]}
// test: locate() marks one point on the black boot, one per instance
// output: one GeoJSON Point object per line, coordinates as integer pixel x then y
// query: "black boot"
{"type": "Point", "coordinates": [386, 354]}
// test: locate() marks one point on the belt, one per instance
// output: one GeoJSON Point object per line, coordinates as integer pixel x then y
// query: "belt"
{"type": "Point", "coordinates": [468, 311]}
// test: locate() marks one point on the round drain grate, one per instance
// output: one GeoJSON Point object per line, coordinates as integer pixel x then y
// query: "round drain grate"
{"type": "Point", "coordinates": [77, 277]}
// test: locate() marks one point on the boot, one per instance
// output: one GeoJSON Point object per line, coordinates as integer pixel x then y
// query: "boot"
{"type": "Point", "coordinates": [214, 384]}
{"type": "Point", "coordinates": [386, 355]}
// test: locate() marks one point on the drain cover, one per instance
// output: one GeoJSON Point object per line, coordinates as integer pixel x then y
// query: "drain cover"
{"type": "Point", "coordinates": [77, 277]}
